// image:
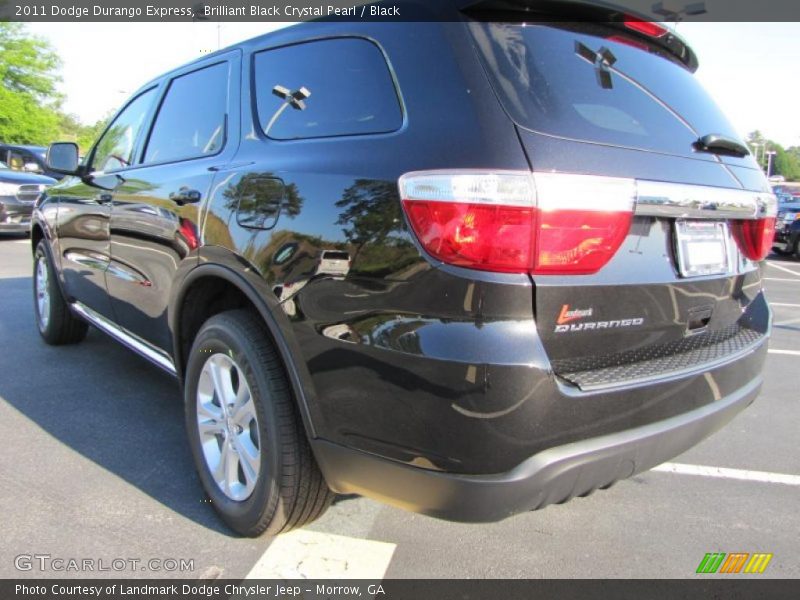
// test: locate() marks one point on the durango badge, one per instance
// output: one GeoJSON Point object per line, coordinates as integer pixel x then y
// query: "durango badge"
{"type": "Point", "coordinates": [567, 316]}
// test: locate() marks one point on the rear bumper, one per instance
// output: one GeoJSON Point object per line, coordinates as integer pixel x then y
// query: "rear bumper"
{"type": "Point", "coordinates": [552, 476]}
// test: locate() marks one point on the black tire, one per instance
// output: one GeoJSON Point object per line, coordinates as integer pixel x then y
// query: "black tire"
{"type": "Point", "coordinates": [55, 321]}
{"type": "Point", "coordinates": [780, 252]}
{"type": "Point", "coordinates": [289, 491]}
{"type": "Point", "coordinates": [796, 248]}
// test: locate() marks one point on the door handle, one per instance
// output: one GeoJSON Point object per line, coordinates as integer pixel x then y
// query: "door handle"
{"type": "Point", "coordinates": [103, 198]}
{"type": "Point", "coordinates": [185, 196]}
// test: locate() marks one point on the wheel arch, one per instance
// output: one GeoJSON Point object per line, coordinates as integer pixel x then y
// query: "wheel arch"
{"type": "Point", "coordinates": [37, 235]}
{"type": "Point", "coordinates": [208, 281]}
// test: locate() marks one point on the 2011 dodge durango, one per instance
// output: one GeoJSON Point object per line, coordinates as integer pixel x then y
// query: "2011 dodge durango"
{"type": "Point", "coordinates": [469, 266]}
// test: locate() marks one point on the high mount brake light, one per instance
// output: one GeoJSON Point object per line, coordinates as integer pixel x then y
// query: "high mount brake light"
{"type": "Point", "coordinates": [508, 221]}
{"type": "Point", "coordinates": [648, 28]}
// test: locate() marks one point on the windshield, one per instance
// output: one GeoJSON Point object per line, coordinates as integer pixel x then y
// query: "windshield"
{"type": "Point", "coordinates": [588, 82]}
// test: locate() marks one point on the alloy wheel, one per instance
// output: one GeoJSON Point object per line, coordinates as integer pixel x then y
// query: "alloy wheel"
{"type": "Point", "coordinates": [42, 292]}
{"type": "Point", "coordinates": [228, 426]}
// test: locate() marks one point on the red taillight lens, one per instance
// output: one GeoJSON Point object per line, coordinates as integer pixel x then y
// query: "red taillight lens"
{"type": "Point", "coordinates": [513, 222]}
{"type": "Point", "coordinates": [755, 237]}
{"type": "Point", "coordinates": [576, 241]}
{"type": "Point", "coordinates": [491, 238]}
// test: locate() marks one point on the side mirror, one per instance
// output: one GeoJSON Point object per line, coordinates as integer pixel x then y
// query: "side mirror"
{"type": "Point", "coordinates": [31, 167]}
{"type": "Point", "coordinates": [62, 157]}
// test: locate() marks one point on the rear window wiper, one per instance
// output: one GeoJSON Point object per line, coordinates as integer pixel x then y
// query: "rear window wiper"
{"type": "Point", "coordinates": [716, 143]}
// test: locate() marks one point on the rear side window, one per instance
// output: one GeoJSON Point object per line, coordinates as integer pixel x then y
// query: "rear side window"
{"type": "Point", "coordinates": [325, 88]}
{"type": "Point", "coordinates": [590, 83]}
{"type": "Point", "coordinates": [191, 119]}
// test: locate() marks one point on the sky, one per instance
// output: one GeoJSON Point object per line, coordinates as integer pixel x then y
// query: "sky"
{"type": "Point", "coordinates": [749, 68]}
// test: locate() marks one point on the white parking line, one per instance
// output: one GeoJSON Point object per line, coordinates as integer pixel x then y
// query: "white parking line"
{"type": "Point", "coordinates": [741, 474]}
{"type": "Point", "coordinates": [314, 555]}
{"type": "Point", "coordinates": [780, 279]}
{"type": "Point", "coordinates": [783, 269]}
{"type": "Point", "coordinates": [789, 352]}
{"type": "Point", "coordinates": [782, 304]}
{"type": "Point", "coordinates": [784, 323]}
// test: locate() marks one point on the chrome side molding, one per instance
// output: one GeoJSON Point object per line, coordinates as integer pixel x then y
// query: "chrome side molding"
{"type": "Point", "coordinates": [154, 355]}
{"type": "Point", "coordinates": [675, 200]}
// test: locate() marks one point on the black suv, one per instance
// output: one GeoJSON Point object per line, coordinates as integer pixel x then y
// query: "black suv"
{"type": "Point", "coordinates": [787, 228]}
{"type": "Point", "coordinates": [468, 267]}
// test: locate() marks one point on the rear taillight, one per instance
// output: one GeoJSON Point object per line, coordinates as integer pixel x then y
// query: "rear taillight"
{"type": "Point", "coordinates": [503, 221]}
{"type": "Point", "coordinates": [754, 237]}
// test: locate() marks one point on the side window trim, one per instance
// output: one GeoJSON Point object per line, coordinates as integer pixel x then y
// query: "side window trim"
{"type": "Point", "coordinates": [142, 149]}
{"type": "Point", "coordinates": [145, 124]}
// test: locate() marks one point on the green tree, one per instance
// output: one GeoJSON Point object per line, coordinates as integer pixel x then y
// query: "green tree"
{"type": "Point", "coordinates": [784, 162]}
{"type": "Point", "coordinates": [371, 213]}
{"type": "Point", "coordinates": [29, 99]}
{"type": "Point", "coordinates": [22, 121]}
{"type": "Point", "coordinates": [28, 64]}
{"type": "Point", "coordinates": [70, 129]}
{"type": "Point", "coordinates": [88, 134]}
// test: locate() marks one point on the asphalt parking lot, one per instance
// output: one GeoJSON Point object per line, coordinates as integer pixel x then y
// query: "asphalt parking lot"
{"type": "Point", "coordinates": [95, 465]}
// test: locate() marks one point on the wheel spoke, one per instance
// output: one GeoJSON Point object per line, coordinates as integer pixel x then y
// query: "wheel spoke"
{"type": "Point", "coordinates": [249, 456]}
{"type": "Point", "coordinates": [223, 386]}
{"type": "Point", "coordinates": [210, 428]}
{"type": "Point", "coordinates": [220, 471]}
{"type": "Point", "coordinates": [207, 410]}
{"type": "Point", "coordinates": [232, 470]}
{"type": "Point", "coordinates": [245, 415]}
{"type": "Point", "coordinates": [242, 398]}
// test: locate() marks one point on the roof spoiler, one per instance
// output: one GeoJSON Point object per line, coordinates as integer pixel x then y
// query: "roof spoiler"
{"type": "Point", "coordinates": [614, 14]}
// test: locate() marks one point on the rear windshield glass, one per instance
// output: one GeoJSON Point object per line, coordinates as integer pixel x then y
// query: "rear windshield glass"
{"type": "Point", "coordinates": [591, 83]}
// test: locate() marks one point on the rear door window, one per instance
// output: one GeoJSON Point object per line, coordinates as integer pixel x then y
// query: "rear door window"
{"type": "Point", "coordinates": [325, 88]}
{"type": "Point", "coordinates": [590, 83]}
{"type": "Point", "coordinates": [191, 119]}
